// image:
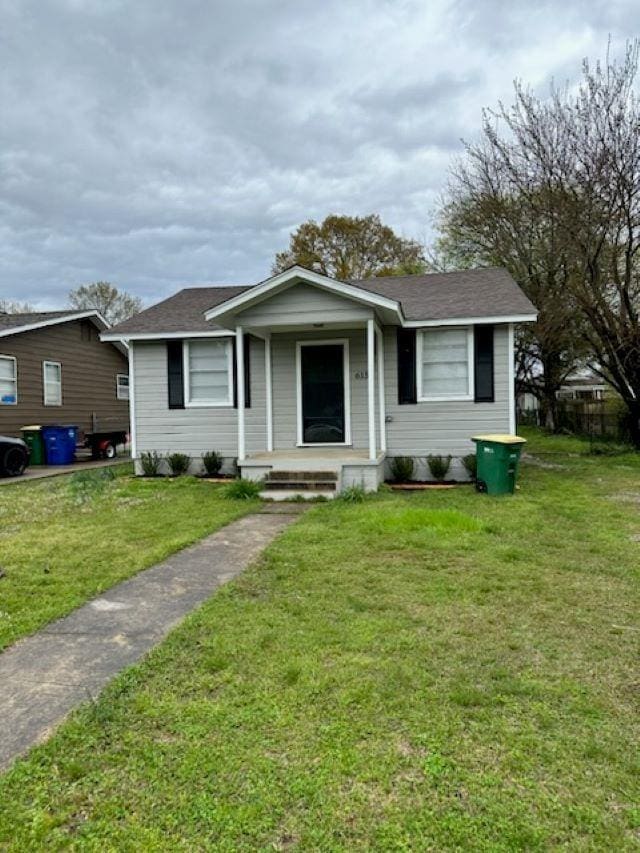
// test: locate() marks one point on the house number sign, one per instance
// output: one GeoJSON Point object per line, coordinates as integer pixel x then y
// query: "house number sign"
{"type": "Point", "coordinates": [361, 374]}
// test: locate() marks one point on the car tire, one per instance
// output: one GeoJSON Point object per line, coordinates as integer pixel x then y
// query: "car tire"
{"type": "Point", "coordinates": [110, 451]}
{"type": "Point", "coordinates": [14, 461]}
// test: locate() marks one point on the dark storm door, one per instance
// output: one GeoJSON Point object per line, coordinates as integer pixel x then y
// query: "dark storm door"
{"type": "Point", "coordinates": [322, 393]}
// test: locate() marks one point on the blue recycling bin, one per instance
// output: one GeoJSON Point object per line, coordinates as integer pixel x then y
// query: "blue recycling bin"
{"type": "Point", "coordinates": [59, 444]}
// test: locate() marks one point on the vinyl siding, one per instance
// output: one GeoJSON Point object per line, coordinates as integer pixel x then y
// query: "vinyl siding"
{"type": "Point", "coordinates": [444, 427]}
{"type": "Point", "coordinates": [415, 430]}
{"type": "Point", "coordinates": [192, 430]}
{"type": "Point", "coordinates": [283, 356]}
{"type": "Point", "coordinates": [304, 304]}
{"type": "Point", "coordinates": [89, 370]}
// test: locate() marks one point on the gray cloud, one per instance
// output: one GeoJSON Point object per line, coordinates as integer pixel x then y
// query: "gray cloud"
{"type": "Point", "coordinates": [162, 144]}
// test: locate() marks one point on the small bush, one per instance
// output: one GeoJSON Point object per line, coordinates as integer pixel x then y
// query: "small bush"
{"type": "Point", "coordinates": [438, 465]}
{"type": "Point", "coordinates": [212, 461]}
{"type": "Point", "coordinates": [402, 468]}
{"type": "Point", "coordinates": [243, 490]}
{"type": "Point", "coordinates": [178, 463]}
{"type": "Point", "coordinates": [150, 463]}
{"type": "Point", "coordinates": [352, 495]}
{"type": "Point", "coordinates": [470, 462]}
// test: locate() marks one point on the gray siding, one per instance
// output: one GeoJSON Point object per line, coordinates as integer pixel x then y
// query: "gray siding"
{"type": "Point", "coordinates": [444, 427]}
{"type": "Point", "coordinates": [304, 304]}
{"type": "Point", "coordinates": [284, 385]}
{"type": "Point", "coordinates": [192, 430]}
{"type": "Point", "coordinates": [415, 430]}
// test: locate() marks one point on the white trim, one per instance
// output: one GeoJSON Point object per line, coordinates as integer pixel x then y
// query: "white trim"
{"type": "Point", "coordinates": [371, 388]}
{"type": "Point", "coordinates": [165, 336]}
{"type": "Point", "coordinates": [206, 404]}
{"type": "Point", "coordinates": [54, 321]}
{"type": "Point", "coordinates": [264, 288]}
{"type": "Point", "coordinates": [511, 380]}
{"type": "Point", "coordinates": [381, 401]}
{"type": "Point", "coordinates": [268, 380]}
{"type": "Point", "coordinates": [470, 371]}
{"type": "Point", "coordinates": [46, 364]}
{"type": "Point", "coordinates": [240, 391]}
{"type": "Point", "coordinates": [14, 380]}
{"type": "Point", "coordinates": [346, 379]}
{"type": "Point", "coordinates": [132, 403]}
{"type": "Point", "coordinates": [466, 321]}
{"type": "Point", "coordinates": [120, 376]}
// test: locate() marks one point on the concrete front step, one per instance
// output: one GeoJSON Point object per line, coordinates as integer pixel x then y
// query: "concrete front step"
{"type": "Point", "coordinates": [301, 485]}
{"type": "Point", "coordinates": [295, 494]}
{"type": "Point", "coordinates": [306, 476]}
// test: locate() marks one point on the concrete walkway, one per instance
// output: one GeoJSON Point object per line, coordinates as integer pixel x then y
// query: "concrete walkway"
{"type": "Point", "coordinates": [39, 472]}
{"type": "Point", "coordinates": [45, 676]}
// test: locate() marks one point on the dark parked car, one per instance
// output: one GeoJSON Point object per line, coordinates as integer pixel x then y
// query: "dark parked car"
{"type": "Point", "coordinates": [14, 456]}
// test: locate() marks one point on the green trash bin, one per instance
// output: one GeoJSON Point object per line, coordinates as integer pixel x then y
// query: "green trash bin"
{"type": "Point", "coordinates": [497, 458]}
{"type": "Point", "coordinates": [32, 436]}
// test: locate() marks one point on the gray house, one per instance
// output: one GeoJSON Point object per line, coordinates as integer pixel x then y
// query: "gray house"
{"type": "Point", "coordinates": [335, 377]}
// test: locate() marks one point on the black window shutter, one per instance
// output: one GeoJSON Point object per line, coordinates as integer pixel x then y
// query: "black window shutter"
{"type": "Point", "coordinates": [483, 364]}
{"type": "Point", "coordinates": [247, 373]}
{"type": "Point", "coordinates": [406, 339]}
{"type": "Point", "coordinates": [175, 374]}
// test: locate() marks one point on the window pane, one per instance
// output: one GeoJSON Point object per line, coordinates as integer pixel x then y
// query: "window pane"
{"type": "Point", "coordinates": [208, 371]}
{"type": "Point", "coordinates": [445, 363]}
{"type": "Point", "coordinates": [7, 368]}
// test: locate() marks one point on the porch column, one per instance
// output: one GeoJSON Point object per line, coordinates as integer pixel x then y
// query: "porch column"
{"type": "Point", "coordinates": [240, 389]}
{"type": "Point", "coordinates": [381, 407]}
{"type": "Point", "coordinates": [269, 391]}
{"type": "Point", "coordinates": [371, 387]}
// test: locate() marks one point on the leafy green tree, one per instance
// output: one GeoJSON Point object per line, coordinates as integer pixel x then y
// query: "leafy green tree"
{"type": "Point", "coordinates": [351, 247]}
{"type": "Point", "coordinates": [114, 305]}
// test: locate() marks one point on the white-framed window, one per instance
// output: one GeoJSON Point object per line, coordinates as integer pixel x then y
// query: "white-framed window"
{"type": "Point", "coordinates": [208, 372]}
{"type": "Point", "coordinates": [122, 386]}
{"type": "Point", "coordinates": [52, 383]}
{"type": "Point", "coordinates": [445, 363]}
{"type": "Point", "coordinates": [8, 380]}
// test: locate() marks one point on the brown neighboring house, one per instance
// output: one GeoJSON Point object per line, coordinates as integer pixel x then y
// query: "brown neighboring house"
{"type": "Point", "coordinates": [54, 369]}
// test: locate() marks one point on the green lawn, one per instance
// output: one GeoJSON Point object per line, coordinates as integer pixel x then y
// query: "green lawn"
{"type": "Point", "coordinates": [65, 540]}
{"type": "Point", "coordinates": [438, 670]}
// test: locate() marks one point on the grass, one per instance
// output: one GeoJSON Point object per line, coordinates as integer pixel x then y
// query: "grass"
{"type": "Point", "coordinates": [66, 539]}
{"type": "Point", "coordinates": [440, 670]}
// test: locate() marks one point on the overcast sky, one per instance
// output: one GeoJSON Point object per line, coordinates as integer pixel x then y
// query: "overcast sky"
{"type": "Point", "coordinates": [162, 143]}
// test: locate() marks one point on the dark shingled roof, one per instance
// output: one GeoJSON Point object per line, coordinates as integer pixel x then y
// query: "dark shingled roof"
{"type": "Point", "coordinates": [480, 293]}
{"type": "Point", "coordinates": [15, 321]}
{"type": "Point", "coordinates": [489, 292]}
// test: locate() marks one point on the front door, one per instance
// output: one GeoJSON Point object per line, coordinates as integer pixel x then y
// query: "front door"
{"type": "Point", "coordinates": [322, 393]}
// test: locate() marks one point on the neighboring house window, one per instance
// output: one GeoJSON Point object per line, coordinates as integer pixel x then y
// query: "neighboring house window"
{"type": "Point", "coordinates": [8, 380]}
{"type": "Point", "coordinates": [208, 371]}
{"type": "Point", "coordinates": [122, 386]}
{"type": "Point", "coordinates": [52, 376]}
{"type": "Point", "coordinates": [445, 364]}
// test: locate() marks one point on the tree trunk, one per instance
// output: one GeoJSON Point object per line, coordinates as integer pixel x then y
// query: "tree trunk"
{"type": "Point", "coordinates": [633, 421]}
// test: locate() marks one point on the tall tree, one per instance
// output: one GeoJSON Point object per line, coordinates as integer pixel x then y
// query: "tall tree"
{"type": "Point", "coordinates": [488, 221]}
{"type": "Point", "coordinates": [574, 160]}
{"type": "Point", "coordinates": [351, 247]}
{"type": "Point", "coordinates": [114, 305]}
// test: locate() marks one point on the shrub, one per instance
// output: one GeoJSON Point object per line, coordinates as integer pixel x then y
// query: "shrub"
{"type": "Point", "coordinates": [178, 463]}
{"type": "Point", "coordinates": [212, 461]}
{"type": "Point", "coordinates": [243, 490]}
{"type": "Point", "coordinates": [438, 465]}
{"type": "Point", "coordinates": [470, 462]}
{"type": "Point", "coordinates": [150, 463]}
{"type": "Point", "coordinates": [352, 494]}
{"type": "Point", "coordinates": [402, 468]}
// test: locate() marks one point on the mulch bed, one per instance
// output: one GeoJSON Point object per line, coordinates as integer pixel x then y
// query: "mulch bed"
{"type": "Point", "coordinates": [421, 485]}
